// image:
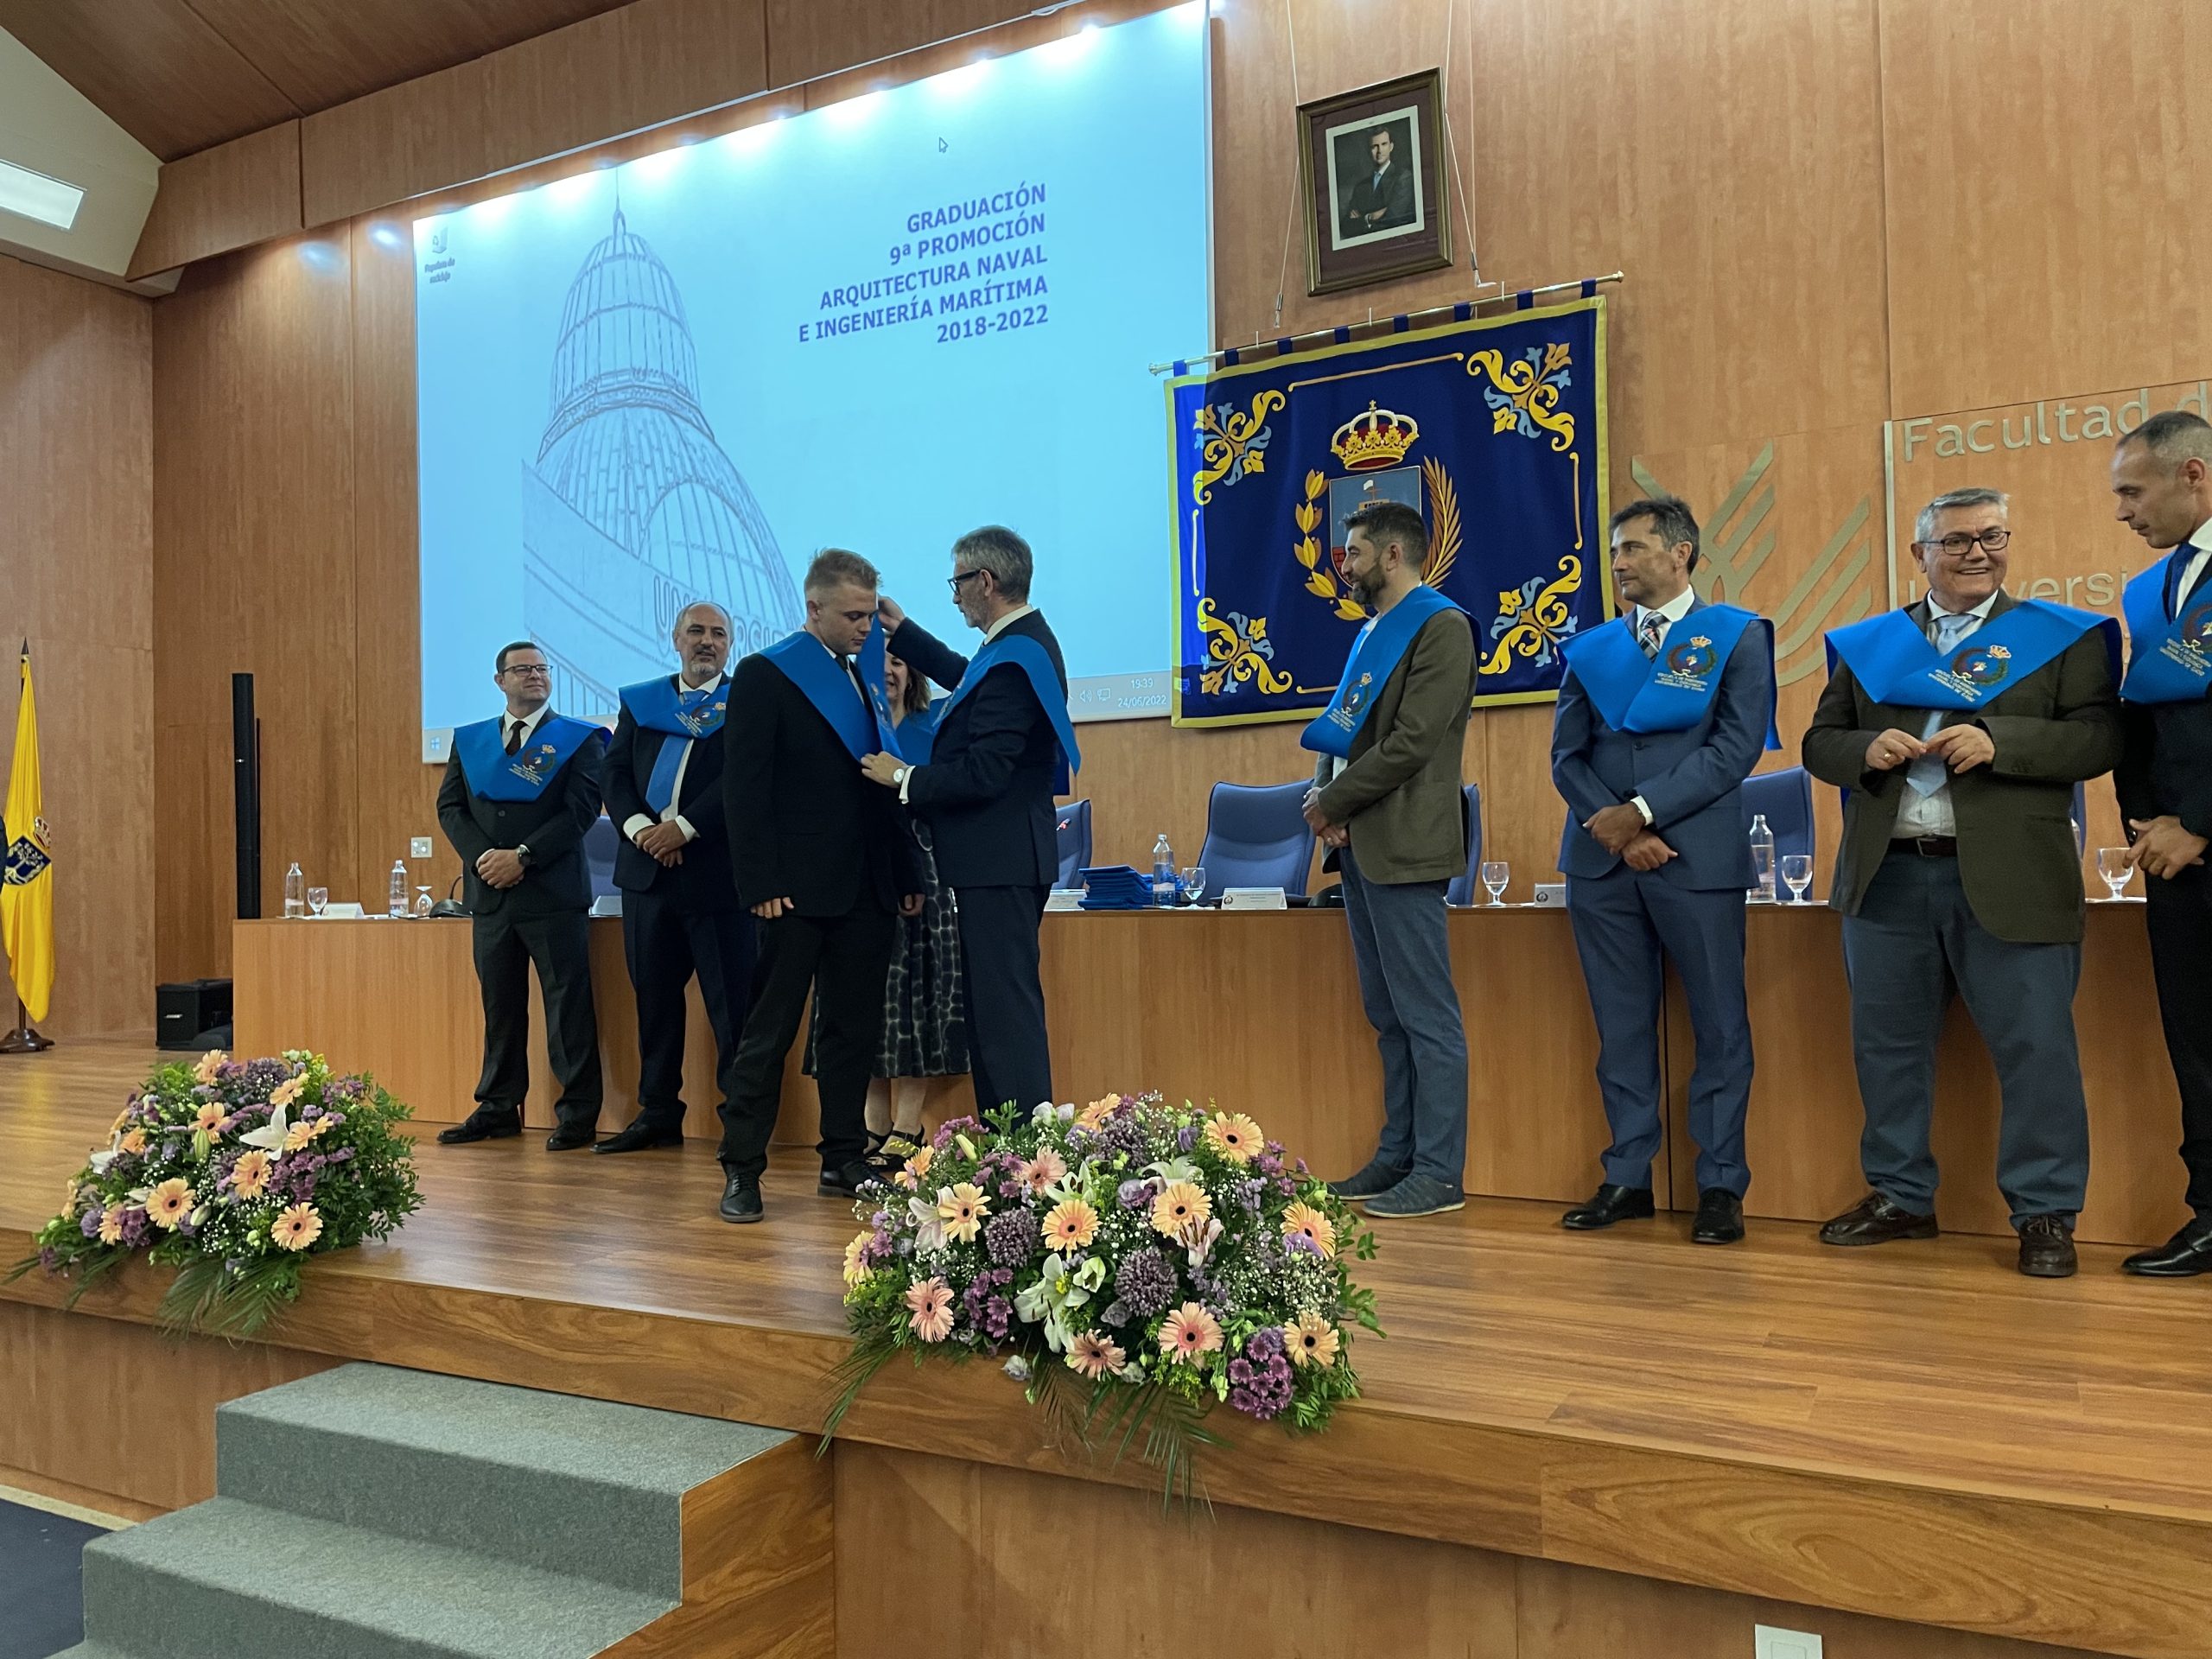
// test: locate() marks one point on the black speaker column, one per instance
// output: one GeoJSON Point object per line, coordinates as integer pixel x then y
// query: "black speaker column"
{"type": "Point", "coordinates": [245, 794]}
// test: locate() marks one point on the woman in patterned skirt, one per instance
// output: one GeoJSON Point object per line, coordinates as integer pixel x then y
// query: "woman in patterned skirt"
{"type": "Point", "coordinates": [925, 1022]}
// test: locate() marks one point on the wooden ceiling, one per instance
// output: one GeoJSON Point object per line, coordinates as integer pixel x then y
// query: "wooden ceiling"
{"type": "Point", "coordinates": [180, 75]}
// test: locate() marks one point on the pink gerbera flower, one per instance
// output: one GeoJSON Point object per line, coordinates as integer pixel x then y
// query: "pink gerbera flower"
{"type": "Point", "coordinates": [209, 1118]}
{"type": "Point", "coordinates": [1042, 1171]}
{"type": "Point", "coordinates": [170, 1204]}
{"type": "Point", "coordinates": [249, 1175]}
{"type": "Point", "coordinates": [963, 1209]}
{"type": "Point", "coordinates": [1071, 1224]}
{"type": "Point", "coordinates": [297, 1227]}
{"type": "Point", "coordinates": [1094, 1355]}
{"type": "Point", "coordinates": [1235, 1137]}
{"type": "Point", "coordinates": [930, 1309]}
{"type": "Point", "coordinates": [1189, 1332]}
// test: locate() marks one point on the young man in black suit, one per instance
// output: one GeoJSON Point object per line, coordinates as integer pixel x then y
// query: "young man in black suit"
{"type": "Point", "coordinates": [1003, 748]}
{"type": "Point", "coordinates": [520, 790]}
{"type": "Point", "coordinates": [824, 863]}
{"type": "Point", "coordinates": [680, 914]}
{"type": "Point", "coordinates": [2162, 482]}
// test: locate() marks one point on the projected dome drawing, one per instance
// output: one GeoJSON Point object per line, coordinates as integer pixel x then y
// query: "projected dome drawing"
{"type": "Point", "coordinates": [632, 510]}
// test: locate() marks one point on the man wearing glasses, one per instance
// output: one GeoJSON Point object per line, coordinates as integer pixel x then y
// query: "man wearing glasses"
{"type": "Point", "coordinates": [1958, 727]}
{"type": "Point", "coordinates": [520, 790]}
{"type": "Point", "coordinates": [1003, 748]}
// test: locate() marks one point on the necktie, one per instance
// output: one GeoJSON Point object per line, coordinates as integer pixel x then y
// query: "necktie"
{"type": "Point", "coordinates": [1654, 625]}
{"type": "Point", "coordinates": [1925, 776]}
{"type": "Point", "coordinates": [514, 736]}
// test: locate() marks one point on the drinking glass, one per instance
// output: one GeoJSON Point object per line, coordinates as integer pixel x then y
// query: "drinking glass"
{"type": "Point", "coordinates": [317, 898]}
{"type": "Point", "coordinates": [1194, 881]}
{"type": "Point", "coordinates": [421, 901]}
{"type": "Point", "coordinates": [2113, 865]}
{"type": "Point", "coordinates": [1496, 874]}
{"type": "Point", "coordinates": [1797, 875]}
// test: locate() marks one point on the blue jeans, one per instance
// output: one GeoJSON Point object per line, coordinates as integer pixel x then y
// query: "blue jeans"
{"type": "Point", "coordinates": [1399, 945]}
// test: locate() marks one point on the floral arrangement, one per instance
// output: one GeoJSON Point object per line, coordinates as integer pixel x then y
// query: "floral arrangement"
{"type": "Point", "coordinates": [234, 1173]}
{"type": "Point", "coordinates": [1136, 1263]}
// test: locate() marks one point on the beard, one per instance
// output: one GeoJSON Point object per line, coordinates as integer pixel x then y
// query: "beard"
{"type": "Point", "coordinates": [1369, 585]}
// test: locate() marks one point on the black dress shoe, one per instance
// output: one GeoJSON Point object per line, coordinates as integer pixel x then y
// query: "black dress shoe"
{"type": "Point", "coordinates": [568, 1137]}
{"type": "Point", "coordinates": [741, 1199]}
{"type": "Point", "coordinates": [844, 1182]}
{"type": "Point", "coordinates": [1875, 1220]}
{"type": "Point", "coordinates": [1719, 1217]}
{"type": "Point", "coordinates": [2046, 1248]}
{"type": "Point", "coordinates": [1611, 1203]}
{"type": "Point", "coordinates": [2184, 1255]}
{"type": "Point", "coordinates": [640, 1136]}
{"type": "Point", "coordinates": [485, 1123]}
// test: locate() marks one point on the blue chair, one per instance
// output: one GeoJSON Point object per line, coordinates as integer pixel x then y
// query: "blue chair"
{"type": "Point", "coordinates": [1462, 890]}
{"type": "Point", "coordinates": [1257, 837]}
{"type": "Point", "coordinates": [1786, 798]}
{"type": "Point", "coordinates": [601, 842]}
{"type": "Point", "coordinates": [1071, 830]}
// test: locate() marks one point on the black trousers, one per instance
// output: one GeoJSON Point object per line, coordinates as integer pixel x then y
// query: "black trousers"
{"type": "Point", "coordinates": [559, 944]}
{"type": "Point", "coordinates": [1007, 1051]}
{"type": "Point", "coordinates": [667, 942]}
{"type": "Point", "coordinates": [2179, 919]}
{"type": "Point", "coordinates": [848, 957]}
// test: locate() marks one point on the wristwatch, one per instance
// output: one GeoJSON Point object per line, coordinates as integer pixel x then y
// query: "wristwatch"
{"type": "Point", "coordinates": [897, 777]}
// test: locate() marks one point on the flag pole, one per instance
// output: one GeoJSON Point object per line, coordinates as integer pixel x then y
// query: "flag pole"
{"type": "Point", "coordinates": [24, 1038]}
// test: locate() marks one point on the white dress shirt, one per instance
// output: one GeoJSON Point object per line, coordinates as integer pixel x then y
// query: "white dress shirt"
{"type": "Point", "coordinates": [1931, 814]}
{"type": "Point", "coordinates": [989, 634]}
{"type": "Point", "coordinates": [638, 822]}
{"type": "Point", "coordinates": [2201, 543]}
{"type": "Point", "coordinates": [1669, 614]}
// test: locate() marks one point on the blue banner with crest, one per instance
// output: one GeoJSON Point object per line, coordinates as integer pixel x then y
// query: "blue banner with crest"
{"type": "Point", "coordinates": [1494, 428]}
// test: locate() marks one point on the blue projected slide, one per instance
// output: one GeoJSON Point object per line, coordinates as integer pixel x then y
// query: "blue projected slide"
{"type": "Point", "coordinates": [873, 326]}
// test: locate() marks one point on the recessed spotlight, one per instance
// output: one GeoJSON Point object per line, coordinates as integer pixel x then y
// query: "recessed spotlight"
{"type": "Point", "coordinates": [34, 195]}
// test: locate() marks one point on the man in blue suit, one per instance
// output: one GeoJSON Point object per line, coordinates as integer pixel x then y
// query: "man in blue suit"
{"type": "Point", "coordinates": [1662, 715]}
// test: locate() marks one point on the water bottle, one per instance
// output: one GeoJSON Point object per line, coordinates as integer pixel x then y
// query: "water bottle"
{"type": "Point", "coordinates": [398, 901]}
{"type": "Point", "coordinates": [295, 892]}
{"type": "Point", "coordinates": [1761, 859]}
{"type": "Point", "coordinates": [1163, 873]}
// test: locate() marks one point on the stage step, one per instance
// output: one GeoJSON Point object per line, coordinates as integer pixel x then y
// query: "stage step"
{"type": "Point", "coordinates": [582, 1487]}
{"type": "Point", "coordinates": [226, 1579]}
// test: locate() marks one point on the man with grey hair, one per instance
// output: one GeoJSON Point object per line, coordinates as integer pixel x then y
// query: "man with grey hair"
{"type": "Point", "coordinates": [681, 919]}
{"type": "Point", "coordinates": [1003, 748]}
{"type": "Point", "coordinates": [1958, 727]}
{"type": "Point", "coordinates": [2162, 486]}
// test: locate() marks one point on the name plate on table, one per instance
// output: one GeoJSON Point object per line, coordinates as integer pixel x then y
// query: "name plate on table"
{"type": "Point", "coordinates": [1063, 898]}
{"type": "Point", "coordinates": [1551, 896]}
{"type": "Point", "coordinates": [1253, 899]}
{"type": "Point", "coordinates": [349, 912]}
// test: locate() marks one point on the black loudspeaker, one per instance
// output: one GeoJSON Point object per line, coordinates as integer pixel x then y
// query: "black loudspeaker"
{"type": "Point", "coordinates": [245, 803]}
{"type": "Point", "coordinates": [182, 1013]}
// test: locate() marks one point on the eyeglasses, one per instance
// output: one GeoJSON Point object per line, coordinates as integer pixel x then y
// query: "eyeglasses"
{"type": "Point", "coordinates": [532, 670]}
{"type": "Point", "coordinates": [954, 582]}
{"type": "Point", "coordinates": [1954, 546]}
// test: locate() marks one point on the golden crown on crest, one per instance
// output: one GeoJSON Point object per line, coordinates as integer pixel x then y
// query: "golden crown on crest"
{"type": "Point", "coordinates": [1380, 437]}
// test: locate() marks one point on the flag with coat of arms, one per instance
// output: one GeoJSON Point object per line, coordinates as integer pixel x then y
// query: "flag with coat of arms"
{"type": "Point", "coordinates": [27, 875]}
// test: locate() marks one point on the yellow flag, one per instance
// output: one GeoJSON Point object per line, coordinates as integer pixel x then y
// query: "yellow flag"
{"type": "Point", "coordinates": [27, 867]}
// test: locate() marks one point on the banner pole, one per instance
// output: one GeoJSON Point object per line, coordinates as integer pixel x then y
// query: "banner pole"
{"type": "Point", "coordinates": [23, 1040]}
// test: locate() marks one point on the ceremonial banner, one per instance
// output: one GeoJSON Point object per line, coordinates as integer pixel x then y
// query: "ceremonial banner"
{"type": "Point", "coordinates": [1493, 430]}
{"type": "Point", "coordinates": [27, 867]}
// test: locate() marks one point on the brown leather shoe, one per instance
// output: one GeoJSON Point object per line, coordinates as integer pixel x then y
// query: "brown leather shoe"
{"type": "Point", "coordinates": [1875, 1220]}
{"type": "Point", "coordinates": [2046, 1248]}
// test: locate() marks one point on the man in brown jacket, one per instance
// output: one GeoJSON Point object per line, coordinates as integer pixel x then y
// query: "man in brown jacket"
{"type": "Point", "coordinates": [1387, 802]}
{"type": "Point", "coordinates": [1959, 726]}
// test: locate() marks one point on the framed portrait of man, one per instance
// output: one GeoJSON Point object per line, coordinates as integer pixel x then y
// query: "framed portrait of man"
{"type": "Point", "coordinates": [1373, 164]}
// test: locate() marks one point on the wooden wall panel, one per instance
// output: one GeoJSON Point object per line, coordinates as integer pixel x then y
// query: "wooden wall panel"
{"type": "Point", "coordinates": [254, 570]}
{"type": "Point", "coordinates": [2044, 232]}
{"type": "Point", "coordinates": [807, 38]}
{"type": "Point", "coordinates": [231, 196]}
{"type": "Point", "coordinates": [76, 580]}
{"type": "Point", "coordinates": [422, 135]}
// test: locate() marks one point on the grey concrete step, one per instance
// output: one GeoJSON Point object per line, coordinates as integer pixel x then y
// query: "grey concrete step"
{"type": "Point", "coordinates": [570, 1485]}
{"type": "Point", "coordinates": [228, 1580]}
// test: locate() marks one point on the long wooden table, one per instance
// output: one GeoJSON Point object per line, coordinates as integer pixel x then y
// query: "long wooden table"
{"type": "Point", "coordinates": [1260, 1012]}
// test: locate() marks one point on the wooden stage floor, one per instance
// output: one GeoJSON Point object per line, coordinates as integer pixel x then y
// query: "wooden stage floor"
{"type": "Point", "coordinates": [1914, 1431]}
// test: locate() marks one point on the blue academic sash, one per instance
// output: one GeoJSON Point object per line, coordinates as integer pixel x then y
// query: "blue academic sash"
{"type": "Point", "coordinates": [1672, 691]}
{"type": "Point", "coordinates": [909, 738]}
{"type": "Point", "coordinates": [1028, 655]}
{"type": "Point", "coordinates": [658, 706]}
{"type": "Point", "coordinates": [807, 665]}
{"type": "Point", "coordinates": [1894, 662]}
{"type": "Point", "coordinates": [2171, 659]}
{"type": "Point", "coordinates": [495, 775]}
{"type": "Point", "coordinates": [1375, 656]}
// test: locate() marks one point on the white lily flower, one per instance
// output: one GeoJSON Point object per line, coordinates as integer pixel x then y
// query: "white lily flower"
{"type": "Point", "coordinates": [271, 1137]}
{"type": "Point", "coordinates": [1174, 1169]}
{"type": "Point", "coordinates": [929, 1226]}
{"type": "Point", "coordinates": [102, 1159]}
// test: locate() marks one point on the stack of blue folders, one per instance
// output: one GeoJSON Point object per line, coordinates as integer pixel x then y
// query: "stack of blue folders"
{"type": "Point", "coordinates": [1115, 886]}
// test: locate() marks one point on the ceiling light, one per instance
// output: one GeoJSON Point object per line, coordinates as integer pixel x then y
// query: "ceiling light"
{"type": "Point", "coordinates": [36, 196]}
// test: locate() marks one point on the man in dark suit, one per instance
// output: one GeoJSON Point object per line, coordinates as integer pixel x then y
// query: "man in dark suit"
{"type": "Point", "coordinates": [1958, 867]}
{"type": "Point", "coordinates": [680, 914]}
{"type": "Point", "coordinates": [1662, 715]}
{"type": "Point", "coordinates": [1003, 748]}
{"type": "Point", "coordinates": [825, 863]}
{"type": "Point", "coordinates": [2162, 482]}
{"type": "Point", "coordinates": [1382, 199]}
{"type": "Point", "coordinates": [520, 790]}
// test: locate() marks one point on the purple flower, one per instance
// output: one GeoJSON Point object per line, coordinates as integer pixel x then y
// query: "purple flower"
{"type": "Point", "coordinates": [90, 1226]}
{"type": "Point", "coordinates": [1146, 1283]}
{"type": "Point", "coordinates": [1186, 1137]}
{"type": "Point", "coordinates": [1010, 1237]}
{"type": "Point", "coordinates": [1123, 1134]}
{"type": "Point", "coordinates": [50, 1259]}
{"type": "Point", "coordinates": [1136, 1195]}
{"type": "Point", "coordinates": [1260, 1381]}
{"type": "Point", "coordinates": [134, 1227]}
{"type": "Point", "coordinates": [1300, 1244]}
